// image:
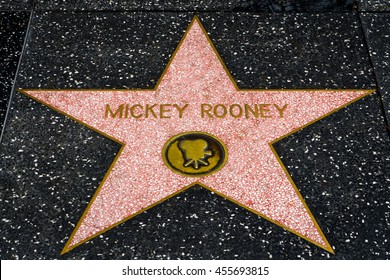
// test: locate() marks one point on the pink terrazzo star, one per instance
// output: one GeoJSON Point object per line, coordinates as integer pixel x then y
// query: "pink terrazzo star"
{"type": "Point", "coordinates": [253, 176]}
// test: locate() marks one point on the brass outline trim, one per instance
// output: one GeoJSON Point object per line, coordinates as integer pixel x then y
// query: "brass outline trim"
{"type": "Point", "coordinates": [207, 173]}
{"type": "Point", "coordinates": [327, 248]}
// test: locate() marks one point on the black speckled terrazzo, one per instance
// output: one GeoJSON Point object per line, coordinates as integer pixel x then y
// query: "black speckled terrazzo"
{"type": "Point", "coordinates": [50, 166]}
{"type": "Point", "coordinates": [288, 50]}
{"type": "Point", "coordinates": [198, 224]}
{"type": "Point", "coordinates": [15, 5]}
{"type": "Point", "coordinates": [197, 5]}
{"type": "Point", "coordinates": [13, 26]}
{"type": "Point", "coordinates": [341, 167]}
{"type": "Point", "coordinates": [374, 5]}
{"type": "Point", "coordinates": [90, 58]}
{"type": "Point", "coordinates": [150, 5]}
{"type": "Point", "coordinates": [292, 50]}
{"type": "Point", "coordinates": [377, 28]}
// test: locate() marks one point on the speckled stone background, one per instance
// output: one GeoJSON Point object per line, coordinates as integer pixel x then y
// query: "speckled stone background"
{"type": "Point", "coordinates": [13, 27]}
{"type": "Point", "coordinates": [50, 166]}
{"type": "Point", "coordinates": [374, 5]}
{"type": "Point", "coordinates": [15, 5]}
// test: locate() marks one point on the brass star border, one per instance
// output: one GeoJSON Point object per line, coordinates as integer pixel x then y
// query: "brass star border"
{"type": "Point", "coordinates": [67, 248]}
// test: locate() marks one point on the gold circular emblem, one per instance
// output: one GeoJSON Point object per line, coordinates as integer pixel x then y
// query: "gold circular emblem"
{"type": "Point", "coordinates": [194, 153]}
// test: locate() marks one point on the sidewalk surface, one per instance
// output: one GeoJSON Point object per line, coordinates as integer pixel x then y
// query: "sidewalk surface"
{"type": "Point", "coordinates": [51, 165]}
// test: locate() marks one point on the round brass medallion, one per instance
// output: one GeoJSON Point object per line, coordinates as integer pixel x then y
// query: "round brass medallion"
{"type": "Point", "coordinates": [194, 153]}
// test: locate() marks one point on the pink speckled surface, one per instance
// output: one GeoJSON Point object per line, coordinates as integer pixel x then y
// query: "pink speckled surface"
{"type": "Point", "coordinates": [252, 176]}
